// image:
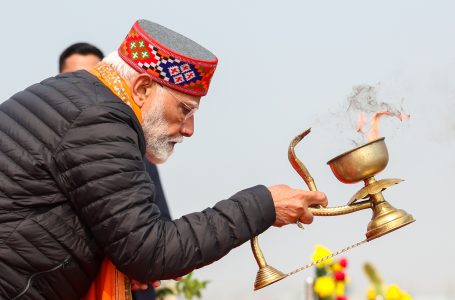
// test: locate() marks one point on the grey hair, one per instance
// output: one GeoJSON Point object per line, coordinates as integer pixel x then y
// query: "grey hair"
{"type": "Point", "coordinates": [120, 66]}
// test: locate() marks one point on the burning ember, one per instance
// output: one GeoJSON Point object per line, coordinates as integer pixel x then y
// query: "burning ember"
{"type": "Point", "coordinates": [364, 102]}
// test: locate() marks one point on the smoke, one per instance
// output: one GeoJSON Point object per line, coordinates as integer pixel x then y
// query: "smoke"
{"type": "Point", "coordinates": [366, 108]}
{"type": "Point", "coordinates": [363, 98]}
{"type": "Point", "coordinates": [378, 102]}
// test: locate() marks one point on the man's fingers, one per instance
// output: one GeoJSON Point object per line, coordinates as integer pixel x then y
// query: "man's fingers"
{"type": "Point", "coordinates": [316, 198]}
{"type": "Point", "coordinates": [291, 205]}
{"type": "Point", "coordinates": [312, 198]}
{"type": "Point", "coordinates": [306, 218]}
{"type": "Point", "coordinates": [136, 285]}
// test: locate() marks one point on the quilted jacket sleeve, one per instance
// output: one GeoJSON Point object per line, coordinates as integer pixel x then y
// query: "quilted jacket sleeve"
{"type": "Point", "coordinates": [99, 167]}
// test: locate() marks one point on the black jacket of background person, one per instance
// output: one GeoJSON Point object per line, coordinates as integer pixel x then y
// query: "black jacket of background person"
{"type": "Point", "coordinates": [73, 189]}
{"type": "Point", "coordinates": [160, 199]}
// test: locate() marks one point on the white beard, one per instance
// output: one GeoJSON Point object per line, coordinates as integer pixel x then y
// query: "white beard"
{"type": "Point", "coordinates": [159, 146]}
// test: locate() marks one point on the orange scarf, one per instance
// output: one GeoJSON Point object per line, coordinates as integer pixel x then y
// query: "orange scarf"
{"type": "Point", "coordinates": [111, 284]}
{"type": "Point", "coordinates": [107, 75]}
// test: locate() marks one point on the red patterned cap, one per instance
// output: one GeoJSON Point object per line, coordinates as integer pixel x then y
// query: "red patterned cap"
{"type": "Point", "coordinates": [169, 58]}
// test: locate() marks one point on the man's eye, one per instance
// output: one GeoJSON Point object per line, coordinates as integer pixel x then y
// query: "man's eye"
{"type": "Point", "coordinates": [186, 109]}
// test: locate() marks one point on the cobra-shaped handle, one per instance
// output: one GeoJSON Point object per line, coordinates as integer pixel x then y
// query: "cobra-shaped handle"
{"type": "Point", "coordinates": [305, 174]}
{"type": "Point", "coordinates": [298, 165]}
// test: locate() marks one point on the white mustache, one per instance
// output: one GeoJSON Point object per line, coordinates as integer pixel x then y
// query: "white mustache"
{"type": "Point", "coordinates": [176, 140]}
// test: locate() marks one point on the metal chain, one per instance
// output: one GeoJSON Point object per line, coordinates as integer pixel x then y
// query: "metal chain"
{"type": "Point", "coordinates": [326, 257]}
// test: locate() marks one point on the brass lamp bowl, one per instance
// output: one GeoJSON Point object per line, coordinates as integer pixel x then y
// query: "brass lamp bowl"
{"type": "Point", "coordinates": [360, 163]}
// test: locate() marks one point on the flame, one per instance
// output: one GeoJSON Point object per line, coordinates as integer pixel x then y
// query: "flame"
{"type": "Point", "coordinates": [365, 103]}
{"type": "Point", "coordinates": [373, 132]}
{"type": "Point", "coordinates": [360, 124]}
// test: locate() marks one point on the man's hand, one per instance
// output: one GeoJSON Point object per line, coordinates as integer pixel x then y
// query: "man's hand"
{"type": "Point", "coordinates": [292, 205]}
{"type": "Point", "coordinates": [137, 285]}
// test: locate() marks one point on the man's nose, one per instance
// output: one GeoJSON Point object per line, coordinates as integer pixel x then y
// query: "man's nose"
{"type": "Point", "coordinates": [187, 128]}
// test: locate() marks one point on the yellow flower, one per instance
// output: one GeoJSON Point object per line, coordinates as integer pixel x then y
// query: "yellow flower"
{"type": "Point", "coordinates": [406, 296]}
{"type": "Point", "coordinates": [339, 288]}
{"type": "Point", "coordinates": [324, 286]}
{"type": "Point", "coordinates": [393, 293]}
{"type": "Point", "coordinates": [321, 252]}
{"type": "Point", "coordinates": [371, 294]}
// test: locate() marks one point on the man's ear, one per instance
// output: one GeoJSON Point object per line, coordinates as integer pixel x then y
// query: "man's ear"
{"type": "Point", "coordinates": [141, 88]}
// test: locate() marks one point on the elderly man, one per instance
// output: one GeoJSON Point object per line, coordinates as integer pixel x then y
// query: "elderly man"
{"type": "Point", "coordinates": [74, 189]}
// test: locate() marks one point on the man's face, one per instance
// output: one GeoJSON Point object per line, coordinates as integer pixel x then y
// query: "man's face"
{"type": "Point", "coordinates": [80, 62]}
{"type": "Point", "coordinates": [166, 119]}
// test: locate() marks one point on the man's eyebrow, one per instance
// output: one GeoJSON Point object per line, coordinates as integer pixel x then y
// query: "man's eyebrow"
{"type": "Point", "coordinates": [193, 103]}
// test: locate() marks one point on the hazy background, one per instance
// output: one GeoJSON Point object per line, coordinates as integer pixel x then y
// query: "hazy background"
{"type": "Point", "coordinates": [285, 66]}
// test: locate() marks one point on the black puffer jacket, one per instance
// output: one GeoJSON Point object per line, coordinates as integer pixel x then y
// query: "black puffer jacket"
{"type": "Point", "coordinates": [73, 190]}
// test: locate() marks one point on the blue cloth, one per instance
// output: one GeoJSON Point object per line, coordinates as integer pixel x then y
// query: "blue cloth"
{"type": "Point", "coordinates": [160, 200]}
{"type": "Point", "coordinates": [148, 294]}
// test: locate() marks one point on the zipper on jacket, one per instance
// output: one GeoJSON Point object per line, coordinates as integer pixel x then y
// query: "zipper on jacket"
{"type": "Point", "coordinates": [29, 282]}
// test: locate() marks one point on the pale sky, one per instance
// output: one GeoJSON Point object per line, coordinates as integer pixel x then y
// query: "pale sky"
{"type": "Point", "coordinates": [285, 66]}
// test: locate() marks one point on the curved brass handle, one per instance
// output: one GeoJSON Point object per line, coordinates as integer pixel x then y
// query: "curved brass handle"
{"type": "Point", "coordinates": [260, 259]}
{"type": "Point", "coordinates": [305, 174]}
{"type": "Point", "coordinates": [298, 165]}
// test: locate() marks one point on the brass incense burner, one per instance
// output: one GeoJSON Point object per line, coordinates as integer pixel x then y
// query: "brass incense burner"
{"type": "Point", "coordinates": [359, 164]}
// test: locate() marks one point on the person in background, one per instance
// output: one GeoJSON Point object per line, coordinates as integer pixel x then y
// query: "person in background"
{"type": "Point", "coordinates": [78, 218]}
{"type": "Point", "coordinates": [79, 56]}
{"type": "Point", "coordinates": [84, 56]}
